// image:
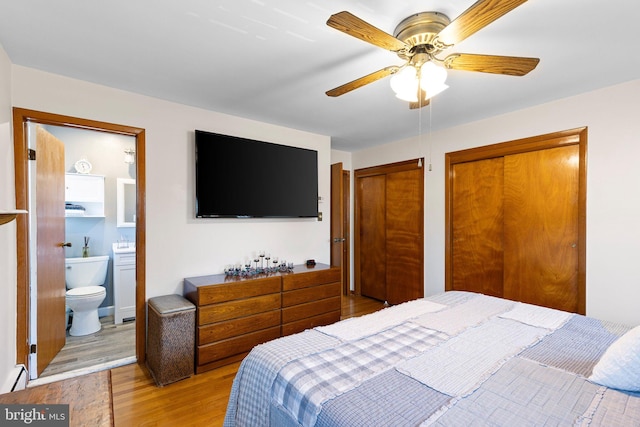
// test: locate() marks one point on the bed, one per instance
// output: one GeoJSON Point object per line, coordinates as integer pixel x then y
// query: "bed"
{"type": "Point", "coordinates": [454, 359]}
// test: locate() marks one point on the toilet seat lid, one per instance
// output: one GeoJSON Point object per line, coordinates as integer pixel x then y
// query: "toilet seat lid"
{"type": "Point", "coordinates": [86, 291]}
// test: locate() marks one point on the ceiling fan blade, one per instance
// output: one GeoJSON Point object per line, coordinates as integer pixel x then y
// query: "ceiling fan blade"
{"type": "Point", "coordinates": [476, 17]}
{"type": "Point", "coordinates": [369, 78]}
{"type": "Point", "coordinates": [356, 27]}
{"type": "Point", "coordinates": [510, 65]}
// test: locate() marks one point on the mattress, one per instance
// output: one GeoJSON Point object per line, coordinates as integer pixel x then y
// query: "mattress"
{"type": "Point", "coordinates": [457, 358]}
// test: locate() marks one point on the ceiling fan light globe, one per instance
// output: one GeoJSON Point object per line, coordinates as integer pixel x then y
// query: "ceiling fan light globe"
{"type": "Point", "coordinates": [408, 93]}
{"type": "Point", "coordinates": [433, 74]}
{"type": "Point", "coordinates": [433, 90]}
{"type": "Point", "coordinates": [405, 83]}
{"type": "Point", "coordinates": [408, 96]}
{"type": "Point", "coordinates": [406, 77]}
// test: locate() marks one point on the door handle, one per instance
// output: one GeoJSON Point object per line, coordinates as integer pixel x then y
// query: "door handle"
{"type": "Point", "coordinates": [338, 239]}
{"type": "Point", "coordinates": [67, 244]}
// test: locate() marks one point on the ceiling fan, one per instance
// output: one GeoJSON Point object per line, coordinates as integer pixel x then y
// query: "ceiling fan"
{"type": "Point", "coordinates": [419, 38]}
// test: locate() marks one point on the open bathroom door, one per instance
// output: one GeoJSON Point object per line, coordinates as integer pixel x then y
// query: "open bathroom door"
{"type": "Point", "coordinates": [50, 230]}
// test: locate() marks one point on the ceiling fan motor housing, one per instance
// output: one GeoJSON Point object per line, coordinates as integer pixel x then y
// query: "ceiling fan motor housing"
{"type": "Point", "coordinates": [420, 29]}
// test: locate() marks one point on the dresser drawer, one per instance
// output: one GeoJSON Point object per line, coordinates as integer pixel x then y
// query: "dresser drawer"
{"type": "Point", "coordinates": [311, 322]}
{"type": "Point", "coordinates": [310, 278]}
{"type": "Point", "coordinates": [232, 328]}
{"type": "Point", "coordinates": [234, 314]}
{"type": "Point", "coordinates": [300, 296]}
{"type": "Point", "coordinates": [238, 289]}
{"type": "Point", "coordinates": [235, 309]}
{"type": "Point", "coordinates": [310, 309]}
{"type": "Point", "coordinates": [225, 348]}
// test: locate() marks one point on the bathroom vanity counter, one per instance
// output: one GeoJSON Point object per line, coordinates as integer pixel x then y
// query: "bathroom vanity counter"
{"type": "Point", "coordinates": [124, 282]}
{"type": "Point", "coordinates": [130, 248]}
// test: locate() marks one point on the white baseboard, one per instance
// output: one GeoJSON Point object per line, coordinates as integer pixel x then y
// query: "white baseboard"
{"type": "Point", "coordinates": [106, 311]}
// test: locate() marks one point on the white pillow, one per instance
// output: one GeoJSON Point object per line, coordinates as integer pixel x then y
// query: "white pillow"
{"type": "Point", "coordinates": [619, 366]}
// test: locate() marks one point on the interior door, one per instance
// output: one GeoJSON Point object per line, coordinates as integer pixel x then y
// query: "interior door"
{"type": "Point", "coordinates": [24, 187]}
{"type": "Point", "coordinates": [346, 232]}
{"type": "Point", "coordinates": [337, 235]}
{"type": "Point", "coordinates": [405, 247]}
{"type": "Point", "coordinates": [477, 234]}
{"type": "Point", "coordinates": [371, 243]}
{"type": "Point", "coordinates": [50, 229]}
{"type": "Point", "coordinates": [516, 220]}
{"type": "Point", "coordinates": [541, 227]}
{"type": "Point", "coordinates": [339, 218]}
{"type": "Point", "coordinates": [389, 231]}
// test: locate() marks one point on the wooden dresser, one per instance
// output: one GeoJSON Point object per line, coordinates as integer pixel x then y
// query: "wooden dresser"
{"type": "Point", "coordinates": [310, 298]}
{"type": "Point", "coordinates": [235, 314]}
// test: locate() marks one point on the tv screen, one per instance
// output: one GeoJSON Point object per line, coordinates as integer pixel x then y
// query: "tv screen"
{"type": "Point", "coordinates": [244, 178]}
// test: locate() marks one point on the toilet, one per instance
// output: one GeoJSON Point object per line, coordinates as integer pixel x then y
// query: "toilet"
{"type": "Point", "coordinates": [84, 278]}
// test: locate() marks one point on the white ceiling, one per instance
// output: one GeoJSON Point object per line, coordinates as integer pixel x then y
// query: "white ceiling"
{"type": "Point", "coordinates": [273, 60]}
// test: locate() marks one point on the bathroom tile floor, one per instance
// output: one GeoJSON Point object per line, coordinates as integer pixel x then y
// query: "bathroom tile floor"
{"type": "Point", "coordinates": [111, 343]}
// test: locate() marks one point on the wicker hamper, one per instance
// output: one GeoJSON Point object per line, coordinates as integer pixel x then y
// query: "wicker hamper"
{"type": "Point", "coordinates": [170, 338]}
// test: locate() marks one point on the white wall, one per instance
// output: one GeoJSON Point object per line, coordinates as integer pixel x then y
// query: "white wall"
{"type": "Point", "coordinates": [613, 190]}
{"type": "Point", "coordinates": [178, 245]}
{"type": "Point", "coordinates": [7, 232]}
{"type": "Point", "coordinates": [343, 157]}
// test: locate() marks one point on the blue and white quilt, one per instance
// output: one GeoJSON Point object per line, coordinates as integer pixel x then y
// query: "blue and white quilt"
{"type": "Point", "coordinates": [454, 359]}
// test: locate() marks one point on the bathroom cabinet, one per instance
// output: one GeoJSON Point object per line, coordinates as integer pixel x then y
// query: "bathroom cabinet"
{"type": "Point", "coordinates": [124, 283]}
{"type": "Point", "coordinates": [85, 191]}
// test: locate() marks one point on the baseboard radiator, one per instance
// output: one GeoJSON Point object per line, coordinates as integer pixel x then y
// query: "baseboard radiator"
{"type": "Point", "coordinates": [17, 379]}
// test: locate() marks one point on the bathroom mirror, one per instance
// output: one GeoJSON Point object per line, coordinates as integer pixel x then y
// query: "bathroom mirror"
{"type": "Point", "coordinates": [126, 202]}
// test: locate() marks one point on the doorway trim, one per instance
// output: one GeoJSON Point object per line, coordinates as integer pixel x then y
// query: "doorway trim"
{"type": "Point", "coordinates": [21, 117]}
{"type": "Point", "coordinates": [346, 228]}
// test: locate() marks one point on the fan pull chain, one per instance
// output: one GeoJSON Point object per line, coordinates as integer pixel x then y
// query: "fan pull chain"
{"type": "Point", "coordinates": [430, 140]}
{"type": "Point", "coordinates": [419, 122]}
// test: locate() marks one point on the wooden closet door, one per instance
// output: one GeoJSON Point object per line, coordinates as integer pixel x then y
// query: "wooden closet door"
{"type": "Point", "coordinates": [544, 220]}
{"type": "Point", "coordinates": [477, 232]}
{"type": "Point", "coordinates": [404, 231]}
{"type": "Point", "coordinates": [541, 227]}
{"type": "Point", "coordinates": [372, 236]}
{"type": "Point", "coordinates": [389, 229]}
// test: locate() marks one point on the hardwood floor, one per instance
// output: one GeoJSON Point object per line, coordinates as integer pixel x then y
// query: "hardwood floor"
{"type": "Point", "coordinates": [353, 306]}
{"type": "Point", "coordinates": [111, 343]}
{"type": "Point", "coordinates": [196, 401]}
{"type": "Point", "coordinates": [88, 398]}
{"type": "Point", "coordinates": [116, 342]}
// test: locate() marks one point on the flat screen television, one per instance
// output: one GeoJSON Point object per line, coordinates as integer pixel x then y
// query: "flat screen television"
{"type": "Point", "coordinates": [245, 178]}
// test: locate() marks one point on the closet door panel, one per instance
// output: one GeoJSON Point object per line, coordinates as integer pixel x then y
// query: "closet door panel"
{"type": "Point", "coordinates": [404, 224]}
{"type": "Point", "coordinates": [477, 232]}
{"type": "Point", "coordinates": [541, 227]}
{"type": "Point", "coordinates": [372, 238]}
